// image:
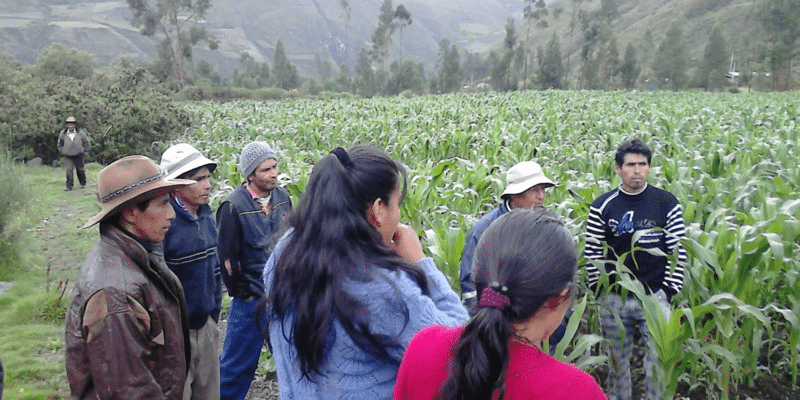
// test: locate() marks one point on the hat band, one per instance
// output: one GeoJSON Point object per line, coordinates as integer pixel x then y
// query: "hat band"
{"type": "Point", "coordinates": [181, 163]}
{"type": "Point", "coordinates": [126, 189]}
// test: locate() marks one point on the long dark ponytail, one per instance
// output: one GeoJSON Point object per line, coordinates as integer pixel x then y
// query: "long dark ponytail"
{"type": "Point", "coordinates": [333, 241]}
{"type": "Point", "coordinates": [528, 256]}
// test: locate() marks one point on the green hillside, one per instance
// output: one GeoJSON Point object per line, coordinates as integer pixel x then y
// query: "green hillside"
{"type": "Point", "coordinates": [319, 27]}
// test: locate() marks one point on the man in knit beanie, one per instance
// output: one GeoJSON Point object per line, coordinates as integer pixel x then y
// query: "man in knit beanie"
{"type": "Point", "coordinates": [249, 222]}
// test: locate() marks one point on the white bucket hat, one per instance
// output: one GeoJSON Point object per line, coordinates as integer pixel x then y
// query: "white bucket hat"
{"type": "Point", "coordinates": [524, 176]}
{"type": "Point", "coordinates": [182, 158]}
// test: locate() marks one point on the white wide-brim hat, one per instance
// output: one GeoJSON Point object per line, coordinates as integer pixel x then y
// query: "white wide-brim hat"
{"type": "Point", "coordinates": [128, 181]}
{"type": "Point", "coordinates": [182, 158]}
{"type": "Point", "coordinates": [524, 176]}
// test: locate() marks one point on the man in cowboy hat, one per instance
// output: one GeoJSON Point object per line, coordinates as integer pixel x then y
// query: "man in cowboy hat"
{"type": "Point", "coordinates": [126, 333]}
{"type": "Point", "coordinates": [190, 250]}
{"type": "Point", "coordinates": [248, 220]}
{"type": "Point", "coordinates": [73, 144]}
{"type": "Point", "coordinates": [526, 187]}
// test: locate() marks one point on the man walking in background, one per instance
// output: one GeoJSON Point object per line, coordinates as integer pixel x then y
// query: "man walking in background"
{"type": "Point", "coordinates": [248, 221]}
{"type": "Point", "coordinates": [190, 250]}
{"type": "Point", "coordinates": [126, 333]}
{"type": "Point", "coordinates": [613, 219]}
{"type": "Point", "coordinates": [73, 144]}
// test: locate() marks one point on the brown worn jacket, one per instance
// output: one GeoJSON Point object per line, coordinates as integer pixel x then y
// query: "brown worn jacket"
{"type": "Point", "coordinates": [126, 326]}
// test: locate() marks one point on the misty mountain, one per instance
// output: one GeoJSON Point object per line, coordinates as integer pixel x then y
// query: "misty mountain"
{"type": "Point", "coordinates": [311, 28]}
{"type": "Point", "coordinates": [307, 28]}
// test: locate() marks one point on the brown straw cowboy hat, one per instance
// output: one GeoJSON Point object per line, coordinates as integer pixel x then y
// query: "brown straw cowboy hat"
{"type": "Point", "coordinates": [128, 181]}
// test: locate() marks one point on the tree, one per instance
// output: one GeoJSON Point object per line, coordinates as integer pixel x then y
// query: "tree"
{"type": "Point", "coordinates": [408, 75]}
{"type": "Point", "coordinates": [711, 72]}
{"type": "Point", "coordinates": [501, 75]}
{"type": "Point", "coordinates": [671, 59]}
{"type": "Point", "coordinates": [449, 71]}
{"type": "Point", "coordinates": [365, 81]}
{"type": "Point", "coordinates": [629, 70]}
{"type": "Point", "coordinates": [382, 37]}
{"type": "Point", "coordinates": [573, 22]}
{"type": "Point", "coordinates": [475, 67]}
{"type": "Point", "coordinates": [611, 62]}
{"type": "Point", "coordinates": [551, 71]}
{"type": "Point", "coordinates": [286, 76]}
{"type": "Point", "coordinates": [346, 11]}
{"type": "Point", "coordinates": [61, 61]}
{"type": "Point", "coordinates": [535, 10]}
{"type": "Point", "coordinates": [253, 75]}
{"type": "Point", "coordinates": [344, 80]}
{"type": "Point", "coordinates": [403, 18]}
{"type": "Point", "coordinates": [178, 22]}
{"type": "Point", "coordinates": [781, 21]}
{"type": "Point", "coordinates": [324, 68]}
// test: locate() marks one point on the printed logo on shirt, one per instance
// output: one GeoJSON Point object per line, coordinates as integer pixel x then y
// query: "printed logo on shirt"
{"type": "Point", "coordinates": [627, 225]}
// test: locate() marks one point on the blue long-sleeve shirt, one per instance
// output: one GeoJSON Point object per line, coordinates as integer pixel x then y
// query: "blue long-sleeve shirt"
{"type": "Point", "coordinates": [190, 250]}
{"type": "Point", "coordinates": [347, 372]}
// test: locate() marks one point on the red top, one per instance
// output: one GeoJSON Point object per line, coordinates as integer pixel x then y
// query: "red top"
{"type": "Point", "coordinates": [532, 373]}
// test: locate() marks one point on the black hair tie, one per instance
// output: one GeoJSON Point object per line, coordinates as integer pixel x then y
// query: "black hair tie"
{"type": "Point", "coordinates": [343, 157]}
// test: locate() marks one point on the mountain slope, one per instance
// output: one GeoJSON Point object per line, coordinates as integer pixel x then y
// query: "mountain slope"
{"type": "Point", "coordinates": [306, 27]}
{"type": "Point", "coordinates": [319, 27]}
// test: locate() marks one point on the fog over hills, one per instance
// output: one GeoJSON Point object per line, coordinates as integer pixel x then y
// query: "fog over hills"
{"type": "Point", "coordinates": [306, 27]}
{"type": "Point", "coordinates": [311, 28]}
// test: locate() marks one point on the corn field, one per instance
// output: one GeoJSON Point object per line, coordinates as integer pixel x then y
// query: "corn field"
{"type": "Point", "coordinates": [731, 160]}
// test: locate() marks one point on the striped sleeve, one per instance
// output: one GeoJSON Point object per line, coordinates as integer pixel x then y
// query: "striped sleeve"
{"type": "Point", "coordinates": [593, 249]}
{"type": "Point", "coordinates": [676, 231]}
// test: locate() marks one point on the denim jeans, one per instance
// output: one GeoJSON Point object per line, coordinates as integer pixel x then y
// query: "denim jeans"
{"type": "Point", "coordinates": [621, 339]}
{"type": "Point", "coordinates": [240, 351]}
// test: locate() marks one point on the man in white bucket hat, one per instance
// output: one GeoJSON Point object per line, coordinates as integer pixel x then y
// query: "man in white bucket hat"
{"type": "Point", "coordinates": [190, 250]}
{"type": "Point", "coordinates": [526, 186]}
{"type": "Point", "coordinates": [126, 333]}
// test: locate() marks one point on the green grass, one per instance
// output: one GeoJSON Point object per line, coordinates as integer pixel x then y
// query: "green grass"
{"type": "Point", "coordinates": [52, 246]}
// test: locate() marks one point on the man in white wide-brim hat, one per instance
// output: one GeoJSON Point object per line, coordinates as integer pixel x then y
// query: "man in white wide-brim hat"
{"type": "Point", "coordinates": [190, 250]}
{"type": "Point", "coordinates": [525, 188]}
{"type": "Point", "coordinates": [126, 333]}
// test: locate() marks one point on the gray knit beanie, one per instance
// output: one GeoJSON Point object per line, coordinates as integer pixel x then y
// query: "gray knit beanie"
{"type": "Point", "coordinates": [253, 155]}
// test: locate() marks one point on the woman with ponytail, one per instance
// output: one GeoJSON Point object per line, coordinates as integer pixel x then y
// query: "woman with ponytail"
{"type": "Point", "coordinates": [523, 268]}
{"type": "Point", "coordinates": [348, 286]}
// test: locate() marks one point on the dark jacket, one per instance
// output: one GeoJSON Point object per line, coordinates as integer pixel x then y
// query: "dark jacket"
{"type": "Point", "coordinates": [247, 236]}
{"type": "Point", "coordinates": [126, 331]}
{"type": "Point", "coordinates": [467, 285]}
{"type": "Point", "coordinates": [78, 145]}
{"type": "Point", "coordinates": [190, 250]}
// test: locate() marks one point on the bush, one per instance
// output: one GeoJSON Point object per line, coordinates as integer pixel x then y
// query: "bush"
{"type": "Point", "coordinates": [124, 110]}
{"type": "Point", "coordinates": [12, 206]}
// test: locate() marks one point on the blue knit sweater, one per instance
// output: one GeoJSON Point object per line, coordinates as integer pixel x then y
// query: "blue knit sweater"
{"type": "Point", "coordinates": [190, 250]}
{"type": "Point", "coordinates": [347, 371]}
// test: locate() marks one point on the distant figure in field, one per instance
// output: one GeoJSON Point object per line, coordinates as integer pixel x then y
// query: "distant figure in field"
{"type": "Point", "coordinates": [127, 332]}
{"type": "Point", "coordinates": [614, 218]}
{"type": "Point", "coordinates": [524, 270]}
{"type": "Point", "coordinates": [348, 285]}
{"type": "Point", "coordinates": [190, 250]}
{"type": "Point", "coordinates": [73, 144]}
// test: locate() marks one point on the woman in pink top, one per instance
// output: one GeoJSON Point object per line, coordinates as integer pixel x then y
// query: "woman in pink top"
{"type": "Point", "coordinates": [523, 269]}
